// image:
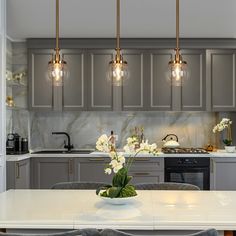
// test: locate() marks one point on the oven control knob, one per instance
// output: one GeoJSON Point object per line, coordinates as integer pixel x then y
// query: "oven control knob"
{"type": "Point", "coordinates": [180, 161]}
{"type": "Point", "coordinates": [194, 161]}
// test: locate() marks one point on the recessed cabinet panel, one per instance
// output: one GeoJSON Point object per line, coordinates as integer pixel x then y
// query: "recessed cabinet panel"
{"type": "Point", "coordinates": [40, 88]}
{"type": "Point", "coordinates": [74, 86]}
{"type": "Point", "coordinates": [160, 92]}
{"type": "Point", "coordinates": [100, 93]}
{"type": "Point", "coordinates": [133, 91]}
{"type": "Point", "coordinates": [222, 75]}
{"type": "Point", "coordinates": [193, 89]}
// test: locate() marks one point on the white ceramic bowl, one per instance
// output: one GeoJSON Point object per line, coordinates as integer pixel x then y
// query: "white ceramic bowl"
{"type": "Point", "coordinates": [119, 201]}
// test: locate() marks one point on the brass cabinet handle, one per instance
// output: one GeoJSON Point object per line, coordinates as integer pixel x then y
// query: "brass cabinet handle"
{"type": "Point", "coordinates": [141, 159]}
{"type": "Point", "coordinates": [141, 174]}
{"type": "Point", "coordinates": [71, 166]}
{"type": "Point", "coordinates": [96, 159]}
{"type": "Point", "coordinates": [17, 170]}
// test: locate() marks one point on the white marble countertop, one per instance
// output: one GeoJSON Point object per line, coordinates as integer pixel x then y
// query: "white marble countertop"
{"type": "Point", "coordinates": [219, 153]}
{"type": "Point", "coordinates": [150, 210]}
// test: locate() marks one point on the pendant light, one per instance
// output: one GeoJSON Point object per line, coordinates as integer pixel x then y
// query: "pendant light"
{"type": "Point", "coordinates": [178, 67]}
{"type": "Point", "coordinates": [118, 68]}
{"type": "Point", "coordinates": [57, 67]}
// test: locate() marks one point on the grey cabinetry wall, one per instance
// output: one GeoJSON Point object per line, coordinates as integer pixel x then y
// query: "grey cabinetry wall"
{"type": "Point", "coordinates": [159, 88]}
{"type": "Point", "coordinates": [43, 96]}
{"type": "Point", "coordinates": [221, 85]}
{"type": "Point", "coordinates": [164, 96]}
{"type": "Point", "coordinates": [147, 170]}
{"type": "Point", "coordinates": [100, 90]}
{"type": "Point", "coordinates": [40, 89]}
{"type": "Point", "coordinates": [91, 169]}
{"type": "Point", "coordinates": [134, 92]}
{"type": "Point", "coordinates": [223, 173]}
{"type": "Point", "coordinates": [48, 171]}
{"type": "Point", "coordinates": [74, 90]}
{"type": "Point", "coordinates": [18, 174]}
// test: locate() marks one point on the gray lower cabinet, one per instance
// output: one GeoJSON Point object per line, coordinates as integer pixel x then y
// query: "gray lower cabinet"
{"type": "Point", "coordinates": [91, 169]}
{"type": "Point", "coordinates": [100, 90]}
{"type": "Point", "coordinates": [223, 173]}
{"type": "Point", "coordinates": [221, 67]}
{"type": "Point", "coordinates": [190, 96]}
{"type": "Point", "coordinates": [18, 174]}
{"type": "Point", "coordinates": [47, 171]}
{"type": "Point", "coordinates": [147, 170]}
{"type": "Point", "coordinates": [43, 96]}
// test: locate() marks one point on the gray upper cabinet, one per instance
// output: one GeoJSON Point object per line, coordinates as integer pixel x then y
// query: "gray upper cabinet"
{"type": "Point", "coordinates": [164, 96]}
{"type": "Point", "coordinates": [221, 74]}
{"type": "Point", "coordinates": [100, 90]}
{"type": "Point", "coordinates": [134, 92]}
{"type": "Point", "coordinates": [43, 96]}
{"type": "Point", "coordinates": [74, 89]}
{"type": "Point", "coordinates": [159, 88]}
{"type": "Point", "coordinates": [40, 88]}
{"type": "Point", "coordinates": [193, 91]}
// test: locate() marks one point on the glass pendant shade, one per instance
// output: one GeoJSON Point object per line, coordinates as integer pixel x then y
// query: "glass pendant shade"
{"type": "Point", "coordinates": [57, 72]}
{"type": "Point", "coordinates": [177, 73]}
{"type": "Point", "coordinates": [118, 73]}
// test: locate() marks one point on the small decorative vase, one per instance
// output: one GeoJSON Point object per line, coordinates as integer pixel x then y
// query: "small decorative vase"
{"type": "Point", "coordinates": [230, 148]}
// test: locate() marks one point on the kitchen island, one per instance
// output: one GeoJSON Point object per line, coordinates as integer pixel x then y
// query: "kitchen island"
{"type": "Point", "coordinates": [22, 210]}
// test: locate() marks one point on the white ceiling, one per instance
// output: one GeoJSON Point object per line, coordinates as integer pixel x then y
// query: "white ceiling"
{"type": "Point", "coordinates": [140, 18]}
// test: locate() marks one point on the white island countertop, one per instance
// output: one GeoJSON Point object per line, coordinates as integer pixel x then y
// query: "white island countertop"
{"type": "Point", "coordinates": [151, 210]}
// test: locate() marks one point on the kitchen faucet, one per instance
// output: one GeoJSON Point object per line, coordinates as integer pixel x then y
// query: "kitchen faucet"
{"type": "Point", "coordinates": [69, 146]}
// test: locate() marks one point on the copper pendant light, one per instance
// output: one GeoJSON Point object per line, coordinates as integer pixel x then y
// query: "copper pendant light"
{"type": "Point", "coordinates": [57, 67]}
{"type": "Point", "coordinates": [178, 67]}
{"type": "Point", "coordinates": [118, 68]}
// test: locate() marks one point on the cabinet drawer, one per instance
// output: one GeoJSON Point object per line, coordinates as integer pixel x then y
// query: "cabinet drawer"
{"type": "Point", "coordinates": [147, 166]}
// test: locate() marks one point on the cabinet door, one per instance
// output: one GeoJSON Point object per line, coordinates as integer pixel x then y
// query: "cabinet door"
{"type": "Point", "coordinates": [134, 91]}
{"type": "Point", "coordinates": [18, 174]}
{"type": "Point", "coordinates": [74, 89]}
{"type": "Point", "coordinates": [159, 88]}
{"type": "Point", "coordinates": [221, 72]}
{"type": "Point", "coordinates": [100, 90]}
{"type": "Point", "coordinates": [193, 90]}
{"type": "Point", "coordinates": [223, 174]}
{"type": "Point", "coordinates": [92, 170]}
{"type": "Point", "coordinates": [147, 170]}
{"type": "Point", "coordinates": [49, 171]}
{"type": "Point", "coordinates": [40, 88]}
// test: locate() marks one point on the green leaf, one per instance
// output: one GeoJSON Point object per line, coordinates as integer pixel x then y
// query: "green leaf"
{"type": "Point", "coordinates": [227, 142]}
{"type": "Point", "coordinates": [102, 188]}
{"type": "Point", "coordinates": [128, 179]}
{"type": "Point", "coordinates": [128, 191]}
{"type": "Point", "coordinates": [113, 192]}
{"type": "Point", "coordinates": [119, 179]}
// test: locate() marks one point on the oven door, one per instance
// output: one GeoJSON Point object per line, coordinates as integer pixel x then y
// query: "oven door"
{"type": "Point", "coordinates": [199, 176]}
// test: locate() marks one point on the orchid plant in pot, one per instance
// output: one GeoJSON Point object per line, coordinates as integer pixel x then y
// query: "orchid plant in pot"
{"type": "Point", "coordinates": [225, 123]}
{"type": "Point", "coordinates": [120, 166]}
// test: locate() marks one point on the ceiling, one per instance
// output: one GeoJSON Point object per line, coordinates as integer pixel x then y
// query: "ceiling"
{"type": "Point", "coordinates": [140, 18]}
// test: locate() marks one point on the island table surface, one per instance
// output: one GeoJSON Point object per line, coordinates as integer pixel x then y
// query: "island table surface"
{"type": "Point", "coordinates": [150, 210]}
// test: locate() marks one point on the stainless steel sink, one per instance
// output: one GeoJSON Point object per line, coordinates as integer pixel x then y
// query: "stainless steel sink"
{"type": "Point", "coordinates": [64, 152]}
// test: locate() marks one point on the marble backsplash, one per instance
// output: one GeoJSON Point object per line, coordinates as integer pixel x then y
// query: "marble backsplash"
{"type": "Point", "coordinates": [194, 129]}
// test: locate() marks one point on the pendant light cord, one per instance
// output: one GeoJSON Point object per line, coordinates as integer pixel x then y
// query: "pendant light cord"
{"type": "Point", "coordinates": [177, 28]}
{"type": "Point", "coordinates": [57, 27]}
{"type": "Point", "coordinates": [118, 28]}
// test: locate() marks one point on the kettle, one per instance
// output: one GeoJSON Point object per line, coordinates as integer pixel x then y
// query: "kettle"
{"type": "Point", "coordinates": [170, 141]}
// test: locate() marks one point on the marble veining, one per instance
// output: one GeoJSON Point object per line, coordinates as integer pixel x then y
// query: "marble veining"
{"type": "Point", "coordinates": [194, 129]}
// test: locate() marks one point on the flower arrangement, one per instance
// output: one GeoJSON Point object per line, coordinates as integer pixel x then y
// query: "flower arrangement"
{"type": "Point", "coordinates": [225, 123]}
{"type": "Point", "coordinates": [121, 186]}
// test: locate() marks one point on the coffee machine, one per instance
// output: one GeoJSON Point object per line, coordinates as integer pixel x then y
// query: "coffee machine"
{"type": "Point", "coordinates": [13, 144]}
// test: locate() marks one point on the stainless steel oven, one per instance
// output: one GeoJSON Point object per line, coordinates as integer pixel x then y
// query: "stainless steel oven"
{"type": "Point", "coordinates": [192, 170]}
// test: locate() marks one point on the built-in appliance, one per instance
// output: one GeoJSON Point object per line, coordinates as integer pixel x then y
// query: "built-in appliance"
{"type": "Point", "coordinates": [14, 144]}
{"type": "Point", "coordinates": [187, 168]}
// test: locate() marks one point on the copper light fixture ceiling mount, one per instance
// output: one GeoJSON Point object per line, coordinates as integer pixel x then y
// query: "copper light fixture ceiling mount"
{"type": "Point", "coordinates": [118, 68]}
{"type": "Point", "coordinates": [178, 67]}
{"type": "Point", "coordinates": [57, 67]}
